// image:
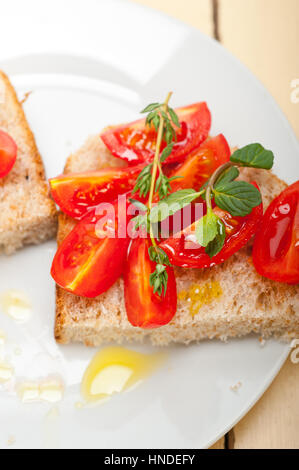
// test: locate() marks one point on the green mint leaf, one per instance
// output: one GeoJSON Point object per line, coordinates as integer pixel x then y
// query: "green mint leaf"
{"type": "Point", "coordinates": [158, 182]}
{"type": "Point", "coordinates": [207, 228]}
{"type": "Point", "coordinates": [147, 170]}
{"type": "Point", "coordinates": [203, 187]}
{"type": "Point", "coordinates": [164, 282]}
{"type": "Point", "coordinates": [140, 221]}
{"type": "Point", "coordinates": [174, 117]}
{"type": "Point", "coordinates": [156, 122]}
{"type": "Point", "coordinates": [163, 257]}
{"type": "Point", "coordinates": [144, 189]}
{"type": "Point", "coordinates": [230, 174]}
{"type": "Point", "coordinates": [216, 245]}
{"type": "Point", "coordinates": [157, 285]}
{"type": "Point", "coordinates": [237, 197]}
{"type": "Point", "coordinates": [162, 186]}
{"type": "Point", "coordinates": [150, 107]}
{"type": "Point", "coordinates": [143, 182]}
{"type": "Point", "coordinates": [171, 204]}
{"type": "Point", "coordinates": [168, 136]}
{"type": "Point", "coordinates": [150, 117]}
{"type": "Point", "coordinates": [166, 152]}
{"type": "Point", "coordinates": [175, 178]}
{"type": "Point", "coordinates": [138, 204]}
{"type": "Point", "coordinates": [166, 118]}
{"type": "Point", "coordinates": [253, 155]}
{"type": "Point", "coordinates": [160, 268]}
{"type": "Point", "coordinates": [152, 253]}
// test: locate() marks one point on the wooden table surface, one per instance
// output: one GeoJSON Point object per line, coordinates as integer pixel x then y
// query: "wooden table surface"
{"type": "Point", "coordinates": [264, 35]}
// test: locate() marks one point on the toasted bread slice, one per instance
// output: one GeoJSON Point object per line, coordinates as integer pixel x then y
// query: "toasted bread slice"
{"type": "Point", "coordinates": [27, 213]}
{"type": "Point", "coordinates": [224, 301]}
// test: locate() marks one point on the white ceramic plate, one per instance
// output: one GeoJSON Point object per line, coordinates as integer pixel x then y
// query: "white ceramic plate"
{"type": "Point", "coordinates": [89, 64]}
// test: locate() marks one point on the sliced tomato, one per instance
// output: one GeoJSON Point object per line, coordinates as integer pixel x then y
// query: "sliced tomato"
{"type": "Point", "coordinates": [77, 193]}
{"type": "Point", "coordinates": [276, 246]}
{"type": "Point", "coordinates": [8, 153]}
{"type": "Point", "coordinates": [183, 249]}
{"type": "Point", "coordinates": [144, 308]}
{"type": "Point", "coordinates": [89, 260]}
{"type": "Point", "coordinates": [220, 148]}
{"type": "Point", "coordinates": [200, 164]}
{"type": "Point", "coordinates": [136, 143]}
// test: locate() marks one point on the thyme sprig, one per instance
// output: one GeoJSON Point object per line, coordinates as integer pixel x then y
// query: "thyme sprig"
{"type": "Point", "coordinates": [159, 117]}
{"type": "Point", "coordinates": [165, 121]}
{"type": "Point", "coordinates": [152, 180]}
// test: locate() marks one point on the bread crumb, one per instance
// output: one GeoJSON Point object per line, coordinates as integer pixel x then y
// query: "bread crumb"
{"type": "Point", "coordinates": [11, 441]}
{"type": "Point", "coordinates": [26, 96]}
{"type": "Point", "coordinates": [236, 387]}
{"type": "Point", "coordinates": [262, 341]}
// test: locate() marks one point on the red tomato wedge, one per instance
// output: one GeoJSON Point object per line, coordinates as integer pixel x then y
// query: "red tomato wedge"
{"type": "Point", "coordinates": [135, 142]}
{"type": "Point", "coordinates": [144, 308]}
{"type": "Point", "coordinates": [77, 193]}
{"type": "Point", "coordinates": [276, 245]}
{"type": "Point", "coordinates": [8, 153]}
{"type": "Point", "coordinates": [183, 249]}
{"type": "Point", "coordinates": [88, 261]}
{"type": "Point", "coordinates": [199, 166]}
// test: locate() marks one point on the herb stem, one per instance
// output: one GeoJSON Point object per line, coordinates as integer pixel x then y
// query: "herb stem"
{"type": "Point", "coordinates": [157, 163]}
